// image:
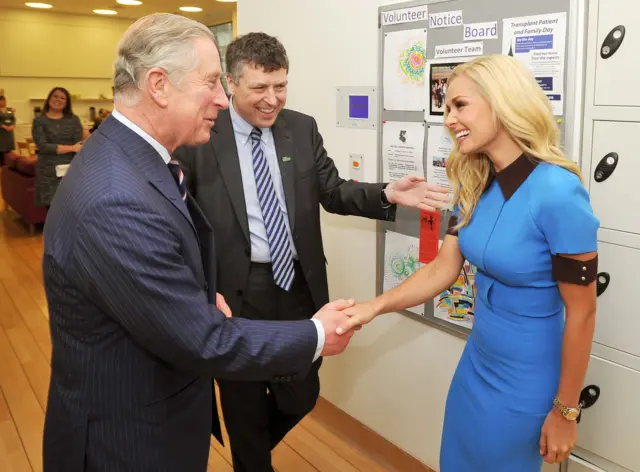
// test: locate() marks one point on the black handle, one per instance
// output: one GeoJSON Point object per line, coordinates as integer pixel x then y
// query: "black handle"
{"type": "Point", "coordinates": [588, 397]}
{"type": "Point", "coordinates": [612, 42]}
{"type": "Point", "coordinates": [602, 282]}
{"type": "Point", "coordinates": [605, 167]}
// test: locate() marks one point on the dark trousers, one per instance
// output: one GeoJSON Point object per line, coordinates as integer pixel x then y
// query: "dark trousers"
{"type": "Point", "coordinates": [258, 415]}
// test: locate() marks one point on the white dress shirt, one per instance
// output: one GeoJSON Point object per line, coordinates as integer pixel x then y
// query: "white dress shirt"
{"type": "Point", "coordinates": [166, 157]}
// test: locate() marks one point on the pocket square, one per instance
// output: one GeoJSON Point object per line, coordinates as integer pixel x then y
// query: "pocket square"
{"type": "Point", "coordinates": [286, 159]}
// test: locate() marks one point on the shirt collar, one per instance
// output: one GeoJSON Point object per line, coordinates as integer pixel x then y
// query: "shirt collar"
{"type": "Point", "coordinates": [143, 134]}
{"type": "Point", "coordinates": [241, 127]}
{"type": "Point", "coordinates": [513, 176]}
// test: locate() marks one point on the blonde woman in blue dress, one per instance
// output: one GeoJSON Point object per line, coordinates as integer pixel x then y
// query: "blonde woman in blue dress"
{"type": "Point", "coordinates": [523, 217]}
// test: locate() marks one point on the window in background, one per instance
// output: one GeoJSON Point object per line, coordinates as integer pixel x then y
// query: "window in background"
{"type": "Point", "coordinates": [224, 35]}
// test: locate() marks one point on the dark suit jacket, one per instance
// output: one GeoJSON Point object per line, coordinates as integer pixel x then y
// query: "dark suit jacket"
{"type": "Point", "coordinates": [310, 179]}
{"type": "Point", "coordinates": [136, 338]}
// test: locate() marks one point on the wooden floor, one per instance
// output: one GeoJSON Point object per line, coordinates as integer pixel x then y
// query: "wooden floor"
{"type": "Point", "coordinates": [25, 352]}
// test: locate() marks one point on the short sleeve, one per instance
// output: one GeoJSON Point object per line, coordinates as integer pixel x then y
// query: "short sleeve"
{"type": "Point", "coordinates": [565, 216]}
{"type": "Point", "coordinates": [453, 221]}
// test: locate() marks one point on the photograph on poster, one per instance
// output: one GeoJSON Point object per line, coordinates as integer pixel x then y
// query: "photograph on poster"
{"type": "Point", "coordinates": [439, 72]}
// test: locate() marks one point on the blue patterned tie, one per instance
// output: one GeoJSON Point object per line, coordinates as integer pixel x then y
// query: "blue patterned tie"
{"type": "Point", "coordinates": [176, 170]}
{"type": "Point", "coordinates": [281, 255]}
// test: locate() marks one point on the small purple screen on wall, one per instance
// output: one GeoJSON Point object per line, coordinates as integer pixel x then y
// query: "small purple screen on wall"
{"type": "Point", "coordinates": [359, 107]}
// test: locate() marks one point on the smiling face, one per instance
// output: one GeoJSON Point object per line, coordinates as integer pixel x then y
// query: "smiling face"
{"type": "Point", "coordinates": [258, 96]}
{"type": "Point", "coordinates": [195, 103]}
{"type": "Point", "coordinates": [469, 116]}
{"type": "Point", "coordinates": [58, 101]}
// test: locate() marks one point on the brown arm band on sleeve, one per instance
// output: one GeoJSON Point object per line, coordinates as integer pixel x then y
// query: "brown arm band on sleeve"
{"type": "Point", "coordinates": [453, 220]}
{"type": "Point", "coordinates": [566, 269]}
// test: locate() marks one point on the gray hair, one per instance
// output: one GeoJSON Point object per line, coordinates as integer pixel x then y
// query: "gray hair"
{"type": "Point", "coordinates": [159, 40]}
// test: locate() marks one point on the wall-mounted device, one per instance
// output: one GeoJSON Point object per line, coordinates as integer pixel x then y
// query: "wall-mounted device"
{"type": "Point", "coordinates": [356, 107]}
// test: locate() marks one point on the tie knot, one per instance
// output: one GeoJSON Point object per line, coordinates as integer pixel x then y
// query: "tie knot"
{"type": "Point", "coordinates": [256, 134]}
{"type": "Point", "coordinates": [176, 170]}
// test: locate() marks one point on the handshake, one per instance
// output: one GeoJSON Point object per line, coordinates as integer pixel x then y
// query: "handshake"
{"type": "Point", "coordinates": [341, 319]}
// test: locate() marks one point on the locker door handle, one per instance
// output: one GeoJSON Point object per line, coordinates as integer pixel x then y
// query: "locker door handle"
{"type": "Point", "coordinates": [605, 167]}
{"type": "Point", "coordinates": [588, 397]}
{"type": "Point", "coordinates": [612, 42]}
{"type": "Point", "coordinates": [602, 282]}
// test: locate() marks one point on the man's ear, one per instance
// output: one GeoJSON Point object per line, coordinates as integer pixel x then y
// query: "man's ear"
{"type": "Point", "coordinates": [157, 86]}
{"type": "Point", "coordinates": [231, 84]}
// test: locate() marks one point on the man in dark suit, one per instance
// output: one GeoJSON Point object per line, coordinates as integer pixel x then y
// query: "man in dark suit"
{"type": "Point", "coordinates": [261, 179]}
{"type": "Point", "coordinates": [129, 273]}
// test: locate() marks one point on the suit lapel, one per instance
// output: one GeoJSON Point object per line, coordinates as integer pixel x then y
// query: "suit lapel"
{"type": "Point", "coordinates": [285, 152]}
{"type": "Point", "coordinates": [223, 144]}
{"type": "Point", "coordinates": [148, 161]}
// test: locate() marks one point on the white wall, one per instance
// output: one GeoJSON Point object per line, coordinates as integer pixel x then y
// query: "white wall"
{"type": "Point", "coordinates": [395, 375]}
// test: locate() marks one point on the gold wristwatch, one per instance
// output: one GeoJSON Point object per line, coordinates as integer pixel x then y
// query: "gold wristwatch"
{"type": "Point", "coordinates": [569, 413]}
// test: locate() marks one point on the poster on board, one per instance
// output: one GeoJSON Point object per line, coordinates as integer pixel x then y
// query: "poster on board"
{"type": "Point", "coordinates": [438, 72]}
{"type": "Point", "coordinates": [456, 305]}
{"type": "Point", "coordinates": [439, 147]}
{"type": "Point", "coordinates": [404, 70]}
{"type": "Point", "coordinates": [402, 149]}
{"type": "Point", "coordinates": [400, 261]}
{"type": "Point", "coordinates": [538, 42]}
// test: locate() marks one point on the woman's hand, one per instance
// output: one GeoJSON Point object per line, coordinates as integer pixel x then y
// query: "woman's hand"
{"type": "Point", "coordinates": [558, 437]}
{"type": "Point", "coordinates": [76, 147]}
{"type": "Point", "coordinates": [359, 315]}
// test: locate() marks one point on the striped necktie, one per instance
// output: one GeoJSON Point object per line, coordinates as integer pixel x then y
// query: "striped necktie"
{"type": "Point", "coordinates": [176, 170]}
{"type": "Point", "coordinates": [281, 255]}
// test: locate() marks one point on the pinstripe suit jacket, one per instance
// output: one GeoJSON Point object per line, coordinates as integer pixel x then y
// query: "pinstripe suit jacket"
{"type": "Point", "coordinates": [136, 338]}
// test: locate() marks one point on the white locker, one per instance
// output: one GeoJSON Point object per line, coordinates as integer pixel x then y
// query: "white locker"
{"type": "Point", "coordinates": [609, 431]}
{"type": "Point", "coordinates": [617, 70]}
{"type": "Point", "coordinates": [550, 467]}
{"type": "Point", "coordinates": [615, 168]}
{"type": "Point", "coordinates": [611, 427]}
{"type": "Point", "coordinates": [618, 318]}
{"type": "Point", "coordinates": [575, 464]}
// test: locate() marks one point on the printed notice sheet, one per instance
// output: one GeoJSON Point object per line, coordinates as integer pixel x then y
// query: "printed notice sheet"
{"type": "Point", "coordinates": [400, 262]}
{"type": "Point", "coordinates": [439, 146]}
{"type": "Point", "coordinates": [403, 74]}
{"type": "Point", "coordinates": [539, 43]}
{"type": "Point", "coordinates": [402, 149]}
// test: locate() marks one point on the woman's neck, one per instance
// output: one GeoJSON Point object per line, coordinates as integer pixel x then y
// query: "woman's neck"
{"type": "Point", "coordinates": [504, 151]}
{"type": "Point", "coordinates": [54, 114]}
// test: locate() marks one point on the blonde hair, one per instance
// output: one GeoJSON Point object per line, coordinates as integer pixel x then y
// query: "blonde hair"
{"type": "Point", "coordinates": [520, 107]}
{"type": "Point", "coordinates": [158, 40]}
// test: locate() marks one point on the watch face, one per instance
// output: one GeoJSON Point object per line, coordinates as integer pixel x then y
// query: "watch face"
{"type": "Point", "coordinates": [572, 414]}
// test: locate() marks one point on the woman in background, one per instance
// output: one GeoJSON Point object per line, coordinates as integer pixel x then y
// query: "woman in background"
{"type": "Point", "coordinates": [58, 136]}
{"type": "Point", "coordinates": [523, 217]}
{"type": "Point", "coordinates": [7, 126]}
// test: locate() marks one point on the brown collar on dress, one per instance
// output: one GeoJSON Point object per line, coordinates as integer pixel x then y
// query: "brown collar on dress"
{"type": "Point", "coordinates": [513, 176]}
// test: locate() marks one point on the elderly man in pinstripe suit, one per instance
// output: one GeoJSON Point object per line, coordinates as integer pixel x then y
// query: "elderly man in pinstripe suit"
{"type": "Point", "coordinates": [129, 273]}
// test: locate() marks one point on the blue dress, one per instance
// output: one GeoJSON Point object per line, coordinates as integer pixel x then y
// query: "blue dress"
{"type": "Point", "coordinates": [508, 376]}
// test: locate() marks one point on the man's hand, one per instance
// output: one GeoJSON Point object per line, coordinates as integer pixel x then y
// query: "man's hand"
{"type": "Point", "coordinates": [221, 304]}
{"type": "Point", "coordinates": [413, 191]}
{"type": "Point", "coordinates": [331, 317]}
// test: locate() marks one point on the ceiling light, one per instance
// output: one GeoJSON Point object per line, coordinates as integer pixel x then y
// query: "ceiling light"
{"type": "Point", "coordinates": [129, 2]}
{"type": "Point", "coordinates": [105, 12]}
{"type": "Point", "coordinates": [38, 5]}
{"type": "Point", "coordinates": [191, 9]}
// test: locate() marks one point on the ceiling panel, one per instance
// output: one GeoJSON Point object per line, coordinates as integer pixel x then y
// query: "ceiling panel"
{"type": "Point", "coordinates": [213, 12]}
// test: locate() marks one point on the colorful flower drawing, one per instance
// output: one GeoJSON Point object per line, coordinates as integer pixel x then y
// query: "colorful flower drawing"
{"type": "Point", "coordinates": [412, 62]}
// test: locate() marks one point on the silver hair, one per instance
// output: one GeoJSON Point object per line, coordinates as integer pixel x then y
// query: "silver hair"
{"type": "Point", "coordinates": [159, 40]}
